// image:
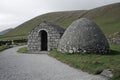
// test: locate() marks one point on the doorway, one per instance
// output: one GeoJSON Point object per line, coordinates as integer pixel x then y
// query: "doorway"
{"type": "Point", "coordinates": [44, 40]}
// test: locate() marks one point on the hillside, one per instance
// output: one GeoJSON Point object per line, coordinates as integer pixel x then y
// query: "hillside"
{"type": "Point", "coordinates": [5, 31]}
{"type": "Point", "coordinates": [107, 17]}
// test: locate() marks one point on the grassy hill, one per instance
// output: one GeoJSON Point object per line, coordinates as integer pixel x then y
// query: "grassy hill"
{"type": "Point", "coordinates": [5, 31]}
{"type": "Point", "coordinates": [107, 17]}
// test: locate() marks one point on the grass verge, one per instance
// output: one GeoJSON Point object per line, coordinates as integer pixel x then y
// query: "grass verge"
{"type": "Point", "coordinates": [4, 47]}
{"type": "Point", "coordinates": [22, 50]}
{"type": "Point", "coordinates": [93, 63]}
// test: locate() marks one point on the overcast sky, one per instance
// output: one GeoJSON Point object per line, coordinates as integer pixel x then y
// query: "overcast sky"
{"type": "Point", "coordinates": [15, 12]}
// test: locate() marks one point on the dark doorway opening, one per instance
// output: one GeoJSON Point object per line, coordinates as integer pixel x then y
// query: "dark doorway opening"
{"type": "Point", "coordinates": [43, 40]}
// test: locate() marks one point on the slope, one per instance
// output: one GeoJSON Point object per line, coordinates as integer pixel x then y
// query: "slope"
{"type": "Point", "coordinates": [107, 17]}
{"type": "Point", "coordinates": [5, 31]}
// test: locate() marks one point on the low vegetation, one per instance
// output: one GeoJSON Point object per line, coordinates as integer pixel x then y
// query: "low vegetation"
{"type": "Point", "coordinates": [93, 63]}
{"type": "Point", "coordinates": [20, 44]}
{"type": "Point", "coordinates": [22, 50]}
{"type": "Point", "coordinates": [4, 47]}
{"type": "Point", "coordinates": [18, 37]}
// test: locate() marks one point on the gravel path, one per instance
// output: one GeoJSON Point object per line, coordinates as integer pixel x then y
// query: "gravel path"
{"type": "Point", "coordinates": [16, 66]}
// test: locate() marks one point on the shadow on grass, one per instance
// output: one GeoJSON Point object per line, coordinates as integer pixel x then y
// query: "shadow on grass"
{"type": "Point", "coordinates": [113, 52]}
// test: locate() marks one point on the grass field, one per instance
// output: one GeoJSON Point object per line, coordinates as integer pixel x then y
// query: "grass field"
{"type": "Point", "coordinates": [93, 63]}
{"type": "Point", "coordinates": [4, 47]}
{"type": "Point", "coordinates": [22, 50]}
{"type": "Point", "coordinates": [14, 37]}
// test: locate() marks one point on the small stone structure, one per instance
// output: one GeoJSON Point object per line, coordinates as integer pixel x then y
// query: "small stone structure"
{"type": "Point", "coordinates": [83, 36]}
{"type": "Point", "coordinates": [44, 37]}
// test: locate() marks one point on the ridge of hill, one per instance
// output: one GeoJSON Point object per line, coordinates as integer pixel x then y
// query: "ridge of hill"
{"type": "Point", "coordinates": [5, 31]}
{"type": "Point", "coordinates": [107, 17]}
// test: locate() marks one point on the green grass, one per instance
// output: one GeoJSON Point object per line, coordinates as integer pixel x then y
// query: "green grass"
{"type": "Point", "coordinates": [107, 17]}
{"type": "Point", "coordinates": [93, 63]}
{"type": "Point", "coordinates": [4, 47]}
{"type": "Point", "coordinates": [20, 44]}
{"type": "Point", "coordinates": [22, 50]}
{"type": "Point", "coordinates": [14, 37]}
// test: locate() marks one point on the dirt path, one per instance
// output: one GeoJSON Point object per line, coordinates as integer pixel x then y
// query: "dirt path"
{"type": "Point", "coordinates": [16, 66]}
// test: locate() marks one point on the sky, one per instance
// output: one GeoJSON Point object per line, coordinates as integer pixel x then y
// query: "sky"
{"type": "Point", "coordinates": [15, 12]}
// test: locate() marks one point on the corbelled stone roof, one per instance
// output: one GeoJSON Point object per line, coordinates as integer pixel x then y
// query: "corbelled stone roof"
{"type": "Point", "coordinates": [58, 28]}
{"type": "Point", "coordinates": [55, 26]}
{"type": "Point", "coordinates": [83, 35]}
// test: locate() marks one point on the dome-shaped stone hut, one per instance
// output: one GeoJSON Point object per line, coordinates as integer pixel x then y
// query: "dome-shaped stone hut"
{"type": "Point", "coordinates": [83, 35]}
{"type": "Point", "coordinates": [44, 37]}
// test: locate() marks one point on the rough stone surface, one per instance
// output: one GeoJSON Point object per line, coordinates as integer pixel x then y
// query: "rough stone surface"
{"type": "Point", "coordinates": [107, 73]}
{"type": "Point", "coordinates": [83, 36]}
{"type": "Point", "coordinates": [54, 33]}
{"type": "Point", "coordinates": [115, 38]}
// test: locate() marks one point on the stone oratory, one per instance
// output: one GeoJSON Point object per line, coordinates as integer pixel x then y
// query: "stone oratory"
{"type": "Point", "coordinates": [82, 36]}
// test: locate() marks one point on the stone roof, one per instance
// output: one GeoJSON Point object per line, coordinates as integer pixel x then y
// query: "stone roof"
{"type": "Point", "coordinates": [83, 35]}
{"type": "Point", "coordinates": [58, 28]}
{"type": "Point", "coordinates": [55, 26]}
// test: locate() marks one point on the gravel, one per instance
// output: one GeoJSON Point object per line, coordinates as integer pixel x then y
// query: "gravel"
{"type": "Point", "coordinates": [16, 66]}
